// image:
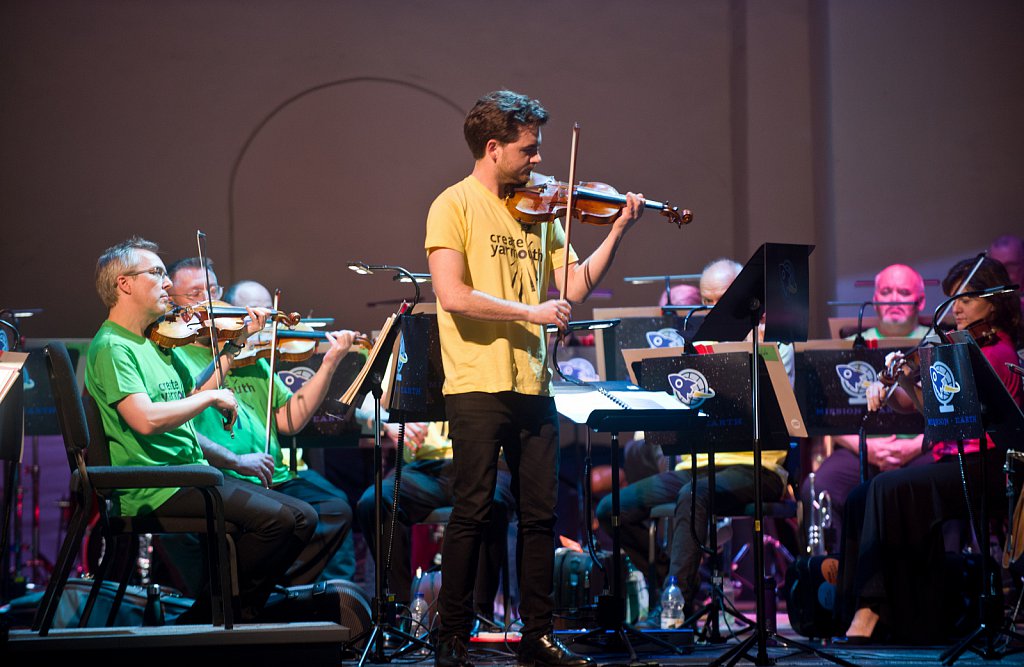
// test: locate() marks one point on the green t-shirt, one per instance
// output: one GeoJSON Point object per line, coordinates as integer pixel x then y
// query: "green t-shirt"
{"type": "Point", "coordinates": [121, 363]}
{"type": "Point", "coordinates": [874, 334]}
{"type": "Point", "coordinates": [249, 383]}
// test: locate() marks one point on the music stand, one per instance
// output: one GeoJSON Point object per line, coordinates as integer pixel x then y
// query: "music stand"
{"type": "Point", "coordinates": [612, 407]}
{"type": "Point", "coordinates": [715, 383]}
{"type": "Point", "coordinates": [774, 283]}
{"type": "Point", "coordinates": [832, 377]}
{"type": "Point", "coordinates": [963, 399]}
{"type": "Point", "coordinates": [371, 380]}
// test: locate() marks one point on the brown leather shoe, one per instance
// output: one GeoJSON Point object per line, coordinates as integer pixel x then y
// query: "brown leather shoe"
{"type": "Point", "coordinates": [451, 653]}
{"type": "Point", "coordinates": [549, 651]}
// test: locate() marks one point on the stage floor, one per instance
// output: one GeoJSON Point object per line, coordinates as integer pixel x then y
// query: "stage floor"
{"type": "Point", "coordinates": [315, 644]}
{"type": "Point", "coordinates": [868, 656]}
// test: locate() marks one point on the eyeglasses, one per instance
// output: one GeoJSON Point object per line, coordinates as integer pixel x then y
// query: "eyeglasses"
{"type": "Point", "coordinates": [158, 272]}
{"type": "Point", "coordinates": [197, 294]}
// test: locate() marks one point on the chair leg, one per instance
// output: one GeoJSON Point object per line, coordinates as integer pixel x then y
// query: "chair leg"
{"type": "Point", "coordinates": [126, 575]}
{"type": "Point", "coordinates": [62, 570]}
{"type": "Point", "coordinates": [105, 563]}
{"type": "Point", "coordinates": [220, 573]}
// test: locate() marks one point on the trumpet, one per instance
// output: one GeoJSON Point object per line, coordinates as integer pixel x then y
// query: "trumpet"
{"type": "Point", "coordinates": [820, 519]}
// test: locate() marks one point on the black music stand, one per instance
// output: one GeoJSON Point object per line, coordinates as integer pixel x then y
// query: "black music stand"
{"type": "Point", "coordinates": [964, 398]}
{"type": "Point", "coordinates": [774, 283]}
{"type": "Point", "coordinates": [623, 412]}
{"type": "Point", "coordinates": [831, 380]}
{"type": "Point", "coordinates": [415, 395]}
{"type": "Point", "coordinates": [371, 380]}
{"type": "Point", "coordinates": [721, 379]}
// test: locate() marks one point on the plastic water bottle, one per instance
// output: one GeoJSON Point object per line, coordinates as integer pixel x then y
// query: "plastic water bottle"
{"type": "Point", "coordinates": [153, 612]}
{"type": "Point", "coordinates": [671, 606]}
{"type": "Point", "coordinates": [419, 611]}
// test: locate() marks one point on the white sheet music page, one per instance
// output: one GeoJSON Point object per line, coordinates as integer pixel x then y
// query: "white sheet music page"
{"type": "Point", "coordinates": [576, 403]}
{"type": "Point", "coordinates": [10, 370]}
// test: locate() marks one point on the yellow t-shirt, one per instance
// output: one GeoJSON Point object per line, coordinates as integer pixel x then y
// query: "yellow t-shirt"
{"type": "Point", "coordinates": [506, 260]}
{"type": "Point", "coordinates": [771, 459]}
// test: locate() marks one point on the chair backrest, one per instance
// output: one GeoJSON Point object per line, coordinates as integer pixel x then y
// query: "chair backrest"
{"type": "Point", "coordinates": [99, 447]}
{"type": "Point", "coordinates": [67, 400]}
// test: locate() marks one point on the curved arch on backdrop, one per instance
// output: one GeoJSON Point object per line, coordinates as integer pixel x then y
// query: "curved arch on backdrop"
{"type": "Point", "coordinates": [284, 105]}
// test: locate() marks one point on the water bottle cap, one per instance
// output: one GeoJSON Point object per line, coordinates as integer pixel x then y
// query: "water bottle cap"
{"type": "Point", "coordinates": [672, 581]}
{"type": "Point", "coordinates": [419, 594]}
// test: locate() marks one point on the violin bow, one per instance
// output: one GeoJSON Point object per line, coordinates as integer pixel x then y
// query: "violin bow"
{"type": "Point", "coordinates": [273, 365]}
{"type": "Point", "coordinates": [214, 346]}
{"type": "Point", "coordinates": [569, 197]}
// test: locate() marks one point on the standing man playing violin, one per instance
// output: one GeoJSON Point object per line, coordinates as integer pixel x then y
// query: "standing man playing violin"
{"type": "Point", "coordinates": [246, 455]}
{"type": "Point", "coordinates": [147, 400]}
{"type": "Point", "coordinates": [490, 275]}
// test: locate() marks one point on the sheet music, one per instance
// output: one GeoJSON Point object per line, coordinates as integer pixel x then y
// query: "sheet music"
{"type": "Point", "coordinates": [576, 403]}
{"type": "Point", "coordinates": [10, 370]}
{"type": "Point", "coordinates": [350, 396]}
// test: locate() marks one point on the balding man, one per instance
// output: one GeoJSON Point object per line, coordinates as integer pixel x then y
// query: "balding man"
{"type": "Point", "coordinates": [716, 278]}
{"type": "Point", "coordinates": [840, 472]}
{"type": "Point", "coordinates": [734, 488]}
{"type": "Point", "coordinates": [901, 285]}
{"type": "Point", "coordinates": [249, 293]}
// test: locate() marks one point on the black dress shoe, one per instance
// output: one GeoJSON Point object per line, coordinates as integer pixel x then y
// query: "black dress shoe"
{"type": "Point", "coordinates": [548, 651]}
{"type": "Point", "coordinates": [451, 653]}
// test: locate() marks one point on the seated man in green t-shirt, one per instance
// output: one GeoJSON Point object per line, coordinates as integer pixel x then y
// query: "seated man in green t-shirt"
{"type": "Point", "coordinates": [247, 453]}
{"type": "Point", "coordinates": [147, 399]}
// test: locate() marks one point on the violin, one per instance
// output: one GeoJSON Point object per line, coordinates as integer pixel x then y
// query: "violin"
{"type": "Point", "coordinates": [294, 344]}
{"type": "Point", "coordinates": [981, 331]}
{"type": "Point", "coordinates": [889, 375]}
{"type": "Point", "coordinates": [183, 325]}
{"type": "Point", "coordinates": [593, 203]}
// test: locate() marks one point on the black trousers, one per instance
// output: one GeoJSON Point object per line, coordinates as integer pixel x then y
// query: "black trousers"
{"type": "Point", "coordinates": [427, 485]}
{"type": "Point", "coordinates": [734, 489]}
{"type": "Point", "coordinates": [275, 529]}
{"type": "Point", "coordinates": [525, 428]}
{"type": "Point", "coordinates": [839, 474]}
{"type": "Point", "coordinates": [328, 554]}
{"type": "Point", "coordinates": [893, 557]}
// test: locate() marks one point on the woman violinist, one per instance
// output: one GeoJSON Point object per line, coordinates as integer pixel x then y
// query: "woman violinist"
{"type": "Point", "coordinates": [892, 574]}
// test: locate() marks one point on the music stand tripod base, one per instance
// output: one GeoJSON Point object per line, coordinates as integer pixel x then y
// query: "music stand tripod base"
{"type": "Point", "coordinates": [611, 608]}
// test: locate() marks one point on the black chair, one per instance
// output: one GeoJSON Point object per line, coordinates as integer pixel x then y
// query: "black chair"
{"type": "Point", "coordinates": [93, 483]}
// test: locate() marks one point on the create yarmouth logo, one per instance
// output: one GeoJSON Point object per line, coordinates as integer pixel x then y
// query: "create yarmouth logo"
{"type": "Point", "coordinates": [667, 337]}
{"type": "Point", "coordinates": [522, 257]}
{"type": "Point", "coordinates": [855, 378]}
{"type": "Point", "coordinates": [690, 387]}
{"type": "Point", "coordinates": [944, 385]}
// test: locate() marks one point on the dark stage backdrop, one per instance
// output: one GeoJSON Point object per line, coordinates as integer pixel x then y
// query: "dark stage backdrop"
{"type": "Point", "coordinates": [299, 135]}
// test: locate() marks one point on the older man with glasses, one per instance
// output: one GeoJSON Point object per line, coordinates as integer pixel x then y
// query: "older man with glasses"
{"type": "Point", "coordinates": [147, 402]}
